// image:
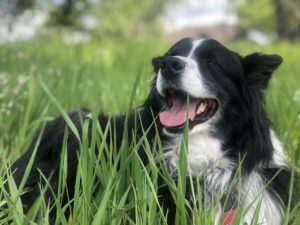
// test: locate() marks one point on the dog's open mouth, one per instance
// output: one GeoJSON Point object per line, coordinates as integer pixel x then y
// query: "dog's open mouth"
{"type": "Point", "coordinates": [181, 107]}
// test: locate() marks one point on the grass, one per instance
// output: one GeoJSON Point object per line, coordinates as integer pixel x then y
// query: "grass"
{"type": "Point", "coordinates": [42, 79]}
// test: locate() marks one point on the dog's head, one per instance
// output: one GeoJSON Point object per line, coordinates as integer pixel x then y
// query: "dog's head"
{"type": "Point", "coordinates": [211, 86]}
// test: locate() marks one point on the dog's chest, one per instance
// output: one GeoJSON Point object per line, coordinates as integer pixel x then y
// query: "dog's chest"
{"type": "Point", "coordinates": [205, 158]}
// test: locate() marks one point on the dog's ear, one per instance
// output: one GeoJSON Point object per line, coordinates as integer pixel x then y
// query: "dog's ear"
{"type": "Point", "coordinates": [258, 68]}
{"type": "Point", "coordinates": [156, 63]}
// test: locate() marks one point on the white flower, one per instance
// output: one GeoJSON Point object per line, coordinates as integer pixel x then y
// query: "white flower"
{"type": "Point", "coordinates": [3, 93]}
{"type": "Point", "coordinates": [296, 96]}
{"type": "Point", "coordinates": [22, 79]}
{"type": "Point", "coordinates": [10, 104]}
{"type": "Point", "coordinates": [3, 79]}
{"type": "Point", "coordinates": [2, 76]}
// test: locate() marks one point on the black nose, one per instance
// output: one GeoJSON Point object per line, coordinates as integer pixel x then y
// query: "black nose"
{"type": "Point", "coordinates": [171, 66]}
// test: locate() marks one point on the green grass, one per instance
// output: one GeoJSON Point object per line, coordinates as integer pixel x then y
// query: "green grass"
{"type": "Point", "coordinates": [43, 79]}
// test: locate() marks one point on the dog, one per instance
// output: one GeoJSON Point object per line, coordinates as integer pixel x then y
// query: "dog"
{"type": "Point", "coordinates": [214, 95]}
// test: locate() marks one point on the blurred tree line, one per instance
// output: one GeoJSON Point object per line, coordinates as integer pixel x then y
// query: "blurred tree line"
{"type": "Point", "coordinates": [278, 16]}
{"type": "Point", "coordinates": [16, 7]}
{"type": "Point", "coordinates": [124, 18]}
{"type": "Point", "coordinates": [120, 18]}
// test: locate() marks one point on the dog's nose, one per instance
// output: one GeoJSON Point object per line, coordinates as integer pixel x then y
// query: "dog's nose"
{"type": "Point", "coordinates": [171, 66]}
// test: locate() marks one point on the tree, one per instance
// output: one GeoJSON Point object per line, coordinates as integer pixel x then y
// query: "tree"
{"type": "Point", "coordinates": [129, 17]}
{"type": "Point", "coordinates": [16, 7]}
{"type": "Point", "coordinates": [118, 18]}
{"type": "Point", "coordinates": [278, 16]}
{"type": "Point", "coordinates": [256, 14]}
{"type": "Point", "coordinates": [287, 18]}
{"type": "Point", "coordinates": [66, 13]}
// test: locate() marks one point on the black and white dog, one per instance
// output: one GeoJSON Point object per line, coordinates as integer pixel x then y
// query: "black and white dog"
{"type": "Point", "coordinates": [220, 94]}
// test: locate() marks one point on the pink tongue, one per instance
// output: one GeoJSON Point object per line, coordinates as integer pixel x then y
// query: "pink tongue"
{"type": "Point", "coordinates": [178, 113]}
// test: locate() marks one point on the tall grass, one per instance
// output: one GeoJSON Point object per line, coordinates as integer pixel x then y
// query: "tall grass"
{"type": "Point", "coordinates": [40, 80]}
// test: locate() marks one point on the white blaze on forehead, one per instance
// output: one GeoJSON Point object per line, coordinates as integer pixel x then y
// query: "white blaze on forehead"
{"type": "Point", "coordinates": [191, 80]}
{"type": "Point", "coordinates": [196, 44]}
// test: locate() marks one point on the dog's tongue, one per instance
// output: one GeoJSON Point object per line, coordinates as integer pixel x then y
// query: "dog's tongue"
{"type": "Point", "coordinates": [177, 115]}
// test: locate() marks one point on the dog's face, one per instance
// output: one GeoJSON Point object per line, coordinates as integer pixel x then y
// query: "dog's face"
{"type": "Point", "coordinates": [207, 84]}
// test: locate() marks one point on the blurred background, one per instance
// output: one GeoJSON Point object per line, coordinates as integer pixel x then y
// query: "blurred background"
{"type": "Point", "coordinates": [77, 21]}
{"type": "Point", "coordinates": [97, 54]}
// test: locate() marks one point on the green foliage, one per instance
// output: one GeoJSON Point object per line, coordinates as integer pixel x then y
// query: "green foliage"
{"type": "Point", "coordinates": [118, 18]}
{"type": "Point", "coordinates": [258, 14]}
{"type": "Point", "coordinates": [68, 13]}
{"type": "Point", "coordinates": [82, 70]}
{"type": "Point", "coordinates": [271, 16]}
{"type": "Point", "coordinates": [17, 6]}
{"type": "Point", "coordinates": [125, 18]}
{"type": "Point", "coordinates": [43, 79]}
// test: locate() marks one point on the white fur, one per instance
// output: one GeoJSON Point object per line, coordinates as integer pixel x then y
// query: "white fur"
{"type": "Point", "coordinates": [279, 158]}
{"type": "Point", "coordinates": [205, 157]}
{"type": "Point", "coordinates": [254, 195]}
{"type": "Point", "coordinates": [191, 78]}
{"type": "Point", "coordinates": [196, 43]}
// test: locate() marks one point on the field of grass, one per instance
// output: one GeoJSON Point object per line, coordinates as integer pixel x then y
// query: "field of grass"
{"type": "Point", "coordinates": [43, 79]}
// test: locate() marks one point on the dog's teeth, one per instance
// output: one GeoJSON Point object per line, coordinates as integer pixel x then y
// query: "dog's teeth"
{"type": "Point", "coordinates": [201, 108]}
